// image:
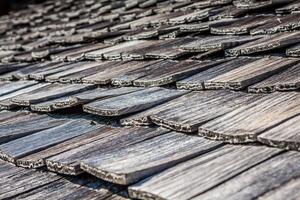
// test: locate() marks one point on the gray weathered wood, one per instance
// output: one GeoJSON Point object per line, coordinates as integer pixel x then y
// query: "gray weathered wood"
{"type": "Point", "coordinates": [198, 175]}
{"type": "Point", "coordinates": [284, 135]}
{"type": "Point", "coordinates": [24, 146]}
{"type": "Point", "coordinates": [288, 190]}
{"type": "Point", "coordinates": [197, 81]}
{"type": "Point", "coordinates": [216, 42]}
{"type": "Point", "coordinates": [80, 67]}
{"type": "Point", "coordinates": [136, 162]}
{"type": "Point", "coordinates": [5, 101]}
{"type": "Point", "coordinates": [188, 112]}
{"type": "Point", "coordinates": [245, 123]}
{"type": "Point", "coordinates": [68, 162]}
{"type": "Point", "coordinates": [80, 98]}
{"type": "Point", "coordinates": [284, 81]}
{"type": "Point", "coordinates": [25, 125]}
{"type": "Point", "coordinates": [258, 180]}
{"type": "Point", "coordinates": [267, 43]}
{"type": "Point", "coordinates": [250, 73]}
{"type": "Point", "coordinates": [133, 102]}
{"type": "Point", "coordinates": [49, 92]}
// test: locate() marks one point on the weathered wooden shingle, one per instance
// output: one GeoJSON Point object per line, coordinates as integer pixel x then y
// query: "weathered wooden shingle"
{"type": "Point", "coordinates": [136, 162]}
{"type": "Point", "coordinates": [133, 102]}
{"type": "Point", "coordinates": [198, 175]}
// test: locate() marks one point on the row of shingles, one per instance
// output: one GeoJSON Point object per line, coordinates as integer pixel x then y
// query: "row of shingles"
{"type": "Point", "coordinates": [50, 97]}
{"type": "Point", "coordinates": [235, 172]}
{"type": "Point", "coordinates": [21, 183]}
{"type": "Point", "coordinates": [258, 74]}
{"type": "Point", "coordinates": [97, 23]}
{"type": "Point", "coordinates": [234, 117]}
{"type": "Point", "coordinates": [64, 153]}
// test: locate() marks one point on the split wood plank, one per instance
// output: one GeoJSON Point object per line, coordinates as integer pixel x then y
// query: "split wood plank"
{"type": "Point", "coordinates": [217, 42]}
{"type": "Point", "coordinates": [78, 53]}
{"type": "Point", "coordinates": [284, 135]}
{"type": "Point", "coordinates": [24, 73]}
{"type": "Point", "coordinates": [5, 101]}
{"type": "Point", "coordinates": [26, 125]}
{"type": "Point", "coordinates": [278, 24]}
{"type": "Point", "coordinates": [70, 188]}
{"type": "Point", "coordinates": [136, 162]}
{"type": "Point", "coordinates": [68, 162]}
{"type": "Point", "coordinates": [98, 54]}
{"type": "Point", "coordinates": [56, 67]}
{"type": "Point", "coordinates": [251, 73]}
{"type": "Point", "coordinates": [197, 81]}
{"type": "Point", "coordinates": [26, 145]}
{"type": "Point", "coordinates": [7, 87]}
{"type": "Point", "coordinates": [49, 92]}
{"type": "Point", "coordinates": [258, 180]}
{"type": "Point", "coordinates": [241, 26]}
{"type": "Point", "coordinates": [162, 73]}
{"type": "Point", "coordinates": [15, 181]}
{"type": "Point", "coordinates": [245, 123]}
{"type": "Point", "coordinates": [289, 189]}
{"type": "Point", "coordinates": [256, 4]}
{"type": "Point", "coordinates": [6, 68]}
{"type": "Point", "coordinates": [293, 51]}
{"type": "Point", "coordinates": [198, 175]}
{"type": "Point", "coordinates": [117, 69]}
{"type": "Point", "coordinates": [81, 98]}
{"type": "Point", "coordinates": [79, 67]}
{"type": "Point", "coordinates": [7, 116]}
{"type": "Point", "coordinates": [190, 17]}
{"type": "Point", "coordinates": [285, 81]}
{"type": "Point", "coordinates": [77, 76]}
{"type": "Point", "coordinates": [133, 102]}
{"type": "Point", "coordinates": [267, 43]}
{"type": "Point", "coordinates": [289, 8]}
{"type": "Point", "coordinates": [187, 113]}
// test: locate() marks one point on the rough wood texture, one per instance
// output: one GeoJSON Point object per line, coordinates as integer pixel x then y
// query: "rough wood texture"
{"type": "Point", "coordinates": [253, 72]}
{"type": "Point", "coordinates": [240, 26]}
{"type": "Point", "coordinates": [278, 24]}
{"type": "Point", "coordinates": [258, 180]}
{"type": "Point", "coordinates": [199, 80]}
{"type": "Point", "coordinates": [49, 92]}
{"type": "Point", "coordinates": [136, 162]}
{"type": "Point", "coordinates": [289, 189]}
{"type": "Point", "coordinates": [21, 126]}
{"type": "Point", "coordinates": [267, 43]}
{"type": "Point", "coordinates": [293, 51]}
{"type": "Point", "coordinates": [244, 124]}
{"type": "Point", "coordinates": [44, 139]}
{"type": "Point", "coordinates": [285, 81]}
{"type": "Point", "coordinates": [188, 112]}
{"type": "Point", "coordinates": [68, 162]}
{"type": "Point", "coordinates": [81, 98]}
{"type": "Point", "coordinates": [5, 101]}
{"type": "Point", "coordinates": [284, 135]}
{"type": "Point", "coordinates": [202, 173]}
{"type": "Point", "coordinates": [162, 73]}
{"type": "Point", "coordinates": [133, 102]}
{"type": "Point", "coordinates": [216, 42]}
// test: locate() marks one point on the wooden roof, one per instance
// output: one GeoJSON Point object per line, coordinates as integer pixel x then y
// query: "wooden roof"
{"type": "Point", "coordinates": [150, 99]}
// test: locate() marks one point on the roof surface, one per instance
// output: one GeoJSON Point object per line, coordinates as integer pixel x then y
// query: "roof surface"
{"type": "Point", "coordinates": [150, 99]}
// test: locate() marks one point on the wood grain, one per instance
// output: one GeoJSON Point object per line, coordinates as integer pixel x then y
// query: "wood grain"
{"type": "Point", "coordinates": [68, 162]}
{"type": "Point", "coordinates": [133, 102]}
{"type": "Point", "coordinates": [244, 124]}
{"type": "Point", "coordinates": [136, 162]}
{"type": "Point", "coordinates": [267, 176]}
{"type": "Point", "coordinates": [198, 175]}
{"type": "Point", "coordinates": [44, 139]}
{"type": "Point", "coordinates": [190, 111]}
